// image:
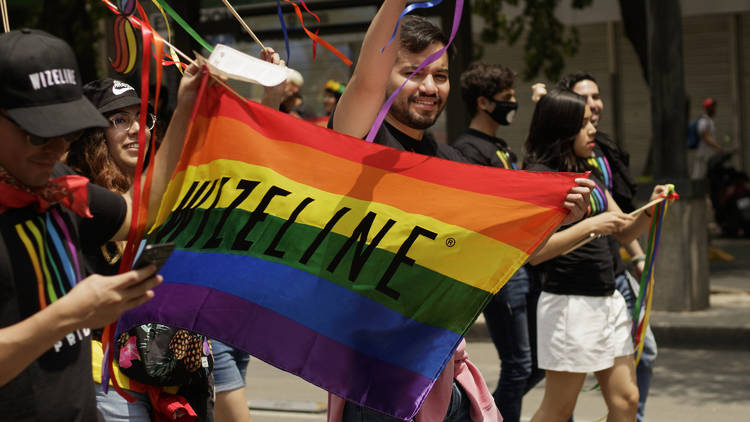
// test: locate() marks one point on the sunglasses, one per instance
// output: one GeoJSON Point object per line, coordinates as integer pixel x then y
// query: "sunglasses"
{"type": "Point", "coordinates": [70, 138]}
{"type": "Point", "coordinates": [40, 140]}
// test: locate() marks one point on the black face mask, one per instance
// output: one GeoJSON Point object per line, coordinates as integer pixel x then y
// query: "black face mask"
{"type": "Point", "coordinates": [504, 111]}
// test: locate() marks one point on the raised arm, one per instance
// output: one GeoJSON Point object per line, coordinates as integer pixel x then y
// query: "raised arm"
{"type": "Point", "coordinates": [169, 152]}
{"type": "Point", "coordinates": [365, 92]}
{"type": "Point", "coordinates": [624, 227]}
{"type": "Point", "coordinates": [273, 96]}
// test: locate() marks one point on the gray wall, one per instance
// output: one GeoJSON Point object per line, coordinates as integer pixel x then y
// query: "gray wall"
{"type": "Point", "coordinates": [717, 63]}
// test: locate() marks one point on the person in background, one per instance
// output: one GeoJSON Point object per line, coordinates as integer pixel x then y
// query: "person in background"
{"type": "Point", "coordinates": [331, 94]}
{"type": "Point", "coordinates": [487, 90]}
{"type": "Point", "coordinates": [708, 145]}
{"type": "Point", "coordinates": [582, 321]}
{"type": "Point", "coordinates": [292, 103]}
{"type": "Point", "coordinates": [230, 370]}
{"type": "Point", "coordinates": [333, 91]}
{"type": "Point", "coordinates": [612, 161]}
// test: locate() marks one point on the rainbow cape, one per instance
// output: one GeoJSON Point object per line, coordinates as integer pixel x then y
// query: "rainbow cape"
{"type": "Point", "coordinates": [355, 266]}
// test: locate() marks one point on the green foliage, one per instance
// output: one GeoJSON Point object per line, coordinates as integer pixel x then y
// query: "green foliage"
{"type": "Point", "coordinates": [72, 20]}
{"type": "Point", "coordinates": [548, 41]}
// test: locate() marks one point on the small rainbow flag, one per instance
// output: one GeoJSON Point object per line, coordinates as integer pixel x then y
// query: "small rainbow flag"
{"type": "Point", "coordinates": [355, 266]}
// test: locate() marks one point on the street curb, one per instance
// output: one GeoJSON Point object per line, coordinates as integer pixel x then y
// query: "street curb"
{"type": "Point", "coordinates": [702, 337]}
{"type": "Point", "coordinates": [671, 336]}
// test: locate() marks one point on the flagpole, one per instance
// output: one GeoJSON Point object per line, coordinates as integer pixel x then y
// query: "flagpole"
{"type": "Point", "coordinates": [593, 236]}
{"type": "Point", "coordinates": [4, 10]}
{"type": "Point", "coordinates": [243, 23]}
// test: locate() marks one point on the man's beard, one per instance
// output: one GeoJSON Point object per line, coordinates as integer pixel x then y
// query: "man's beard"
{"type": "Point", "coordinates": [415, 120]}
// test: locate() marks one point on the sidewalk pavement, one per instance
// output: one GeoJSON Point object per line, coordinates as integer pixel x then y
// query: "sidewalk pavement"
{"type": "Point", "coordinates": [700, 393]}
{"type": "Point", "coordinates": [725, 325]}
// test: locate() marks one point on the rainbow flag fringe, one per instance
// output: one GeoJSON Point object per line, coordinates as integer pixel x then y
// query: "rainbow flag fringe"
{"type": "Point", "coordinates": [642, 309]}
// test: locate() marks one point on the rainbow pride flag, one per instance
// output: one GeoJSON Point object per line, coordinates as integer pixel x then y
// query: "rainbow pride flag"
{"type": "Point", "coordinates": [355, 266]}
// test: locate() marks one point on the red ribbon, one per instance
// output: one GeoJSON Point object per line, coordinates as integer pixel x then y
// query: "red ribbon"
{"type": "Point", "coordinates": [317, 30]}
{"type": "Point", "coordinates": [140, 198]}
{"type": "Point", "coordinates": [70, 191]}
{"type": "Point", "coordinates": [316, 38]}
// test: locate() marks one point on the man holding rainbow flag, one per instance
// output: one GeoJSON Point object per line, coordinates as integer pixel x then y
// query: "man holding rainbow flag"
{"type": "Point", "coordinates": [413, 72]}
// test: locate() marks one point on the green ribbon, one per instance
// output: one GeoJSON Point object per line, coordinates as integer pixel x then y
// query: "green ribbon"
{"type": "Point", "coordinates": [185, 26]}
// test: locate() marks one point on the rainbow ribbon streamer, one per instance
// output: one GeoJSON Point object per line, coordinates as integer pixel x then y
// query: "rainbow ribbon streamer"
{"type": "Point", "coordinates": [457, 12]}
{"type": "Point", "coordinates": [646, 290]}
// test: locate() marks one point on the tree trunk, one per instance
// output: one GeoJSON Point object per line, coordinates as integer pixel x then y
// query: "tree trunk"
{"type": "Point", "coordinates": [633, 13]}
{"type": "Point", "coordinates": [667, 76]}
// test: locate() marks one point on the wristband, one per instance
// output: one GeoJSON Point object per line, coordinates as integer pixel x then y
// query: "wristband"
{"type": "Point", "coordinates": [638, 259]}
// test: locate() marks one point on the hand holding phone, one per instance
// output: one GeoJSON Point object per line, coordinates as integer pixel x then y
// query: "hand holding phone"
{"type": "Point", "coordinates": [155, 254]}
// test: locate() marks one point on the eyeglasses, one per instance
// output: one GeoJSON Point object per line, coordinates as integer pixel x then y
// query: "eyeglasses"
{"type": "Point", "coordinates": [124, 121]}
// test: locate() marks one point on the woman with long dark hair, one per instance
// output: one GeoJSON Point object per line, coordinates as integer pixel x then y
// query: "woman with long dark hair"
{"type": "Point", "coordinates": [583, 323]}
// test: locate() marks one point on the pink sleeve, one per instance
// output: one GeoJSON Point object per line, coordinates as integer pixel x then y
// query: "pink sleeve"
{"type": "Point", "coordinates": [436, 404]}
{"type": "Point", "coordinates": [483, 407]}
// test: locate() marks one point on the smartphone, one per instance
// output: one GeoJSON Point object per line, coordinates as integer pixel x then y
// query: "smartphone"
{"type": "Point", "coordinates": [156, 254]}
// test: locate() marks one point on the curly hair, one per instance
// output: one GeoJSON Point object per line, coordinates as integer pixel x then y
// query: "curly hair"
{"type": "Point", "coordinates": [484, 80]}
{"type": "Point", "coordinates": [90, 157]}
{"type": "Point", "coordinates": [557, 119]}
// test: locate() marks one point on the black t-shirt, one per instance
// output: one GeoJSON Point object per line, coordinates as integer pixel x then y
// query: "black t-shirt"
{"type": "Point", "coordinates": [100, 259]}
{"type": "Point", "coordinates": [389, 136]}
{"type": "Point", "coordinates": [586, 271]}
{"type": "Point", "coordinates": [40, 261]}
{"type": "Point", "coordinates": [480, 148]}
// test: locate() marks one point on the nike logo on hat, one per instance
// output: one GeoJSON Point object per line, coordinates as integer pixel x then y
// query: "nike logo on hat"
{"type": "Point", "coordinates": [119, 88]}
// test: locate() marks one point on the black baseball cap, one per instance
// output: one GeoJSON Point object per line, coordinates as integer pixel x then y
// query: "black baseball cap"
{"type": "Point", "coordinates": [110, 94]}
{"type": "Point", "coordinates": [40, 85]}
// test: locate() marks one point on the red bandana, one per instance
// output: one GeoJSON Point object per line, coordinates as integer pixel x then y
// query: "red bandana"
{"type": "Point", "coordinates": [70, 191]}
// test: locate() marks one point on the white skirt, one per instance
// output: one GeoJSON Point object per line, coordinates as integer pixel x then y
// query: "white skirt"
{"type": "Point", "coordinates": [582, 333]}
